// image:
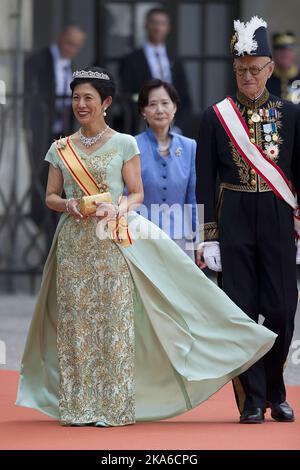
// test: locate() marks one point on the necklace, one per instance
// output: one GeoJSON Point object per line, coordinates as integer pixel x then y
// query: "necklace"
{"type": "Point", "coordinates": [164, 149]}
{"type": "Point", "coordinates": [89, 141]}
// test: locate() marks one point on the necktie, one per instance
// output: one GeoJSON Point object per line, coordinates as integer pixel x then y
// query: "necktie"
{"type": "Point", "coordinates": [160, 66]}
{"type": "Point", "coordinates": [66, 102]}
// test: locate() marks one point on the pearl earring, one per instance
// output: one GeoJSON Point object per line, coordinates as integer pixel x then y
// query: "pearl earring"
{"type": "Point", "coordinates": [104, 113]}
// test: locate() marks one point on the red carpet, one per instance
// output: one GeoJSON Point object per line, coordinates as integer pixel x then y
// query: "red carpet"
{"type": "Point", "coordinates": [213, 425]}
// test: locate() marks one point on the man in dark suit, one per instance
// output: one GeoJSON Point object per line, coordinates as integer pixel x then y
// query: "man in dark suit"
{"type": "Point", "coordinates": [47, 112]}
{"type": "Point", "coordinates": [154, 61]}
{"type": "Point", "coordinates": [250, 144]}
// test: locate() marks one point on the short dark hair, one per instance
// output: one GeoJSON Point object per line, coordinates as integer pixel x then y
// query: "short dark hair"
{"type": "Point", "coordinates": [157, 10]}
{"type": "Point", "coordinates": [105, 88]}
{"type": "Point", "coordinates": [152, 84]}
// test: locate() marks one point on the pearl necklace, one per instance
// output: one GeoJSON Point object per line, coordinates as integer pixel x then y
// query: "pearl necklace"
{"type": "Point", "coordinates": [89, 141]}
{"type": "Point", "coordinates": [164, 149]}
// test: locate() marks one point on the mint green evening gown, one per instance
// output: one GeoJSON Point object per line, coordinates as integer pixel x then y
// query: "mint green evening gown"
{"type": "Point", "coordinates": [121, 335]}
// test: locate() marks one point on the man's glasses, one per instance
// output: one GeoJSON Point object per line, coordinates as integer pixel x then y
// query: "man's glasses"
{"type": "Point", "coordinates": [253, 69]}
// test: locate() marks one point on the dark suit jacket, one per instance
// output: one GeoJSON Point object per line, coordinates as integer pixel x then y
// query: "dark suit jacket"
{"type": "Point", "coordinates": [39, 116]}
{"type": "Point", "coordinates": [135, 71]}
{"type": "Point", "coordinates": [40, 91]}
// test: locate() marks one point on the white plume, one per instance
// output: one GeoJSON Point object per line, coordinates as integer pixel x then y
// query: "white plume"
{"type": "Point", "coordinates": [246, 43]}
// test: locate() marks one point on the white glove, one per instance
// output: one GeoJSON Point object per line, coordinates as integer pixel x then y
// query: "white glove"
{"type": "Point", "coordinates": [298, 252]}
{"type": "Point", "coordinates": [212, 255]}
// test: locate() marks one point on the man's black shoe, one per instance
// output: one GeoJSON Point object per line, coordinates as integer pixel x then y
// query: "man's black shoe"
{"type": "Point", "coordinates": [252, 416]}
{"type": "Point", "coordinates": [282, 412]}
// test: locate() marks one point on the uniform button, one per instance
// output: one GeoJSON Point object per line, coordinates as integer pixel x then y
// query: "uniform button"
{"type": "Point", "coordinates": [253, 172]}
{"type": "Point", "coordinates": [164, 177]}
{"type": "Point", "coordinates": [165, 189]}
{"type": "Point", "coordinates": [164, 164]}
{"type": "Point", "coordinates": [253, 183]}
{"type": "Point", "coordinates": [251, 131]}
{"type": "Point", "coordinates": [250, 112]}
{"type": "Point", "coordinates": [252, 140]}
{"type": "Point", "coordinates": [164, 199]}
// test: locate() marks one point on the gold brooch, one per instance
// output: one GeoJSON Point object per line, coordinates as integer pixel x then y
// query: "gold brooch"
{"type": "Point", "coordinates": [178, 151]}
{"type": "Point", "coordinates": [61, 143]}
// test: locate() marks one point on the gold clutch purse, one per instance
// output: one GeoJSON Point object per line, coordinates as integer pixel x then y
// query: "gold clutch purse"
{"type": "Point", "coordinates": [88, 203]}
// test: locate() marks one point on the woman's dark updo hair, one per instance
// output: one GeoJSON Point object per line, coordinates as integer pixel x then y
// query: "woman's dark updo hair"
{"type": "Point", "coordinates": [143, 99]}
{"type": "Point", "coordinates": [105, 88]}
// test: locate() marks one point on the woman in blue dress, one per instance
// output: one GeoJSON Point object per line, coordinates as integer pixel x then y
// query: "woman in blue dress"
{"type": "Point", "coordinates": [168, 167]}
{"type": "Point", "coordinates": [122, 332]}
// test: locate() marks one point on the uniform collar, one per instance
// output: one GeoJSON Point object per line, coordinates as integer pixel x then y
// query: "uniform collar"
{"type": "Point", "coordinates": [286, 74]}
{"type": "Point", "coordinates": [257, 103]}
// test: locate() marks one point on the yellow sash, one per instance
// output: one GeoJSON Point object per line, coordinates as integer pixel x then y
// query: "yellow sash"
{"type": "Point", "coordinates": [118, 228]}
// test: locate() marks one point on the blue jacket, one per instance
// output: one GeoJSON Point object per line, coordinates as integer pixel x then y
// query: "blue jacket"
{"type": "Point", "coordinates": [170, 181]}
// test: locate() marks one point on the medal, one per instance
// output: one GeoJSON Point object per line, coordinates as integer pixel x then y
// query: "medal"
{"type": "Point", "coordinates": [274, 128]}
{"type": "Point", "coordinates": [275, 137]}
{"type": "Point", "coordinates": [272, 151]}
{"type": "Point", "coordinates": [255, 117]}
{"type": "Point", "coordinates": [267, 128]}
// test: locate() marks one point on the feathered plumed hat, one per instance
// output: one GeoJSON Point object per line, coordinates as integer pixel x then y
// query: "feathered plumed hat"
{"type": "Point", "coordinates": [250, 38]}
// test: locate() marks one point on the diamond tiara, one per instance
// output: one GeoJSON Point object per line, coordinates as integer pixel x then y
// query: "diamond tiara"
{"type": "Point", "coordinates": [90, 74]}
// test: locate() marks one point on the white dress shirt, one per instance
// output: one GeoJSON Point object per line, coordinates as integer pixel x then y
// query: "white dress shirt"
{"type": "Point", "coordinates": [158, 61]}
{"type": "Point", "coordinates": [63, 78]}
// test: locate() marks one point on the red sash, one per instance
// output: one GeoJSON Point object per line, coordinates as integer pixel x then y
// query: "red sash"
{"type": "Point", "coordinates": [81, 175]}
{"type": "Point", "coordinates": [238, 132]}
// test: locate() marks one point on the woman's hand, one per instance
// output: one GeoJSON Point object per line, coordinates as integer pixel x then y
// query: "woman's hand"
{"type": "Point", "coordinates": [106, 210]}
{"type": "Point", "coordinates": [72, 206]}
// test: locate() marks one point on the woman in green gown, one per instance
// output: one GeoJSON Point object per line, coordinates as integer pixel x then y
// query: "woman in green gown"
{"type": "Point", "coordinates": [123, 333]}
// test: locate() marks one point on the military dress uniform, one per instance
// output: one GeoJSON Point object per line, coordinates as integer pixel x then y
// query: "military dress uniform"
{"type": "Point", "coordinates": [255, 230]}
{"type": "Point", "coordinates": [282, 81]}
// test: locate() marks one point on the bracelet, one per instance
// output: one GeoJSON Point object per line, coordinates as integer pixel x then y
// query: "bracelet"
{"type": "Point", "coordinates": [68, 204]}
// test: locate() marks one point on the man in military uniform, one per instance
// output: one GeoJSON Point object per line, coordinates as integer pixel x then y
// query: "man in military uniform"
{"type": "Point", "coordinates": [286, 74]}
{"type": "Point", "coordinates": [250, 145]}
